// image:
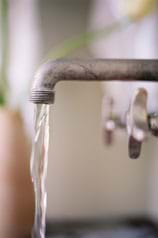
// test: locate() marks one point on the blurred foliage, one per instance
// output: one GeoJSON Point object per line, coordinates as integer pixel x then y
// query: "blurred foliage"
{"type": "Point", "coordinates": [138, 9]}
{"type": "Point", "coordinates": [132, 11]}
{"type": "Point", "coordinates": [4, 51]}
{"type": "Point", "coordinates": [83, 40]}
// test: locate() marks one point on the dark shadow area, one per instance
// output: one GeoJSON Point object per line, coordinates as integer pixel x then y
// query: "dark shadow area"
{"type": "Point", "coordinates": [127, 227]}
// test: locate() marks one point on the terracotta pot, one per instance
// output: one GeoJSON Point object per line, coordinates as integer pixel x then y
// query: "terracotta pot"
{"type": "Point", "coordinates": [16, 191]}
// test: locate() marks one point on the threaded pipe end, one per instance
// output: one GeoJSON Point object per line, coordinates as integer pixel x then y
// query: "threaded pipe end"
{"type": "Point", "coordinates": [42, 97]}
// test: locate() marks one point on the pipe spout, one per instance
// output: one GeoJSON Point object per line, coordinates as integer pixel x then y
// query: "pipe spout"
{"type": "Point", "coordinates": [89, 70]}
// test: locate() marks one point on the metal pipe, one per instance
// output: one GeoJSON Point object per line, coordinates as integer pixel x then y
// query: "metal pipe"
{"type": "Point", "coordinates": [89, 70]}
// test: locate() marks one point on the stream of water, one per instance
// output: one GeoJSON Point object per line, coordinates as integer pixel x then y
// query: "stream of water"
{"type": "Point", "coordinates": [39, 162]}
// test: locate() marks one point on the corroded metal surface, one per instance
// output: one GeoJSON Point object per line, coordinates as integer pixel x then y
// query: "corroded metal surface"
{"type": "Point", "coordinates": [89, 70]}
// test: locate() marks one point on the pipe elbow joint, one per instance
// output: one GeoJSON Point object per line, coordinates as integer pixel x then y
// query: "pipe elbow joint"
{"type": "Point", "coordinates": [44, 82]}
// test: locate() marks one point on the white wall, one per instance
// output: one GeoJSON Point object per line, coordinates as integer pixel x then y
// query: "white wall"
{"type": "Point", "coordinates": [152, 182]}
{"type": "Point", "coordinates": [85, 178]}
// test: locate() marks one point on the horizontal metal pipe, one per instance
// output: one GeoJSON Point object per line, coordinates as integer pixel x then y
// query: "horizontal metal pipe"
{"type": "Point", "coordinates": [89, 70]}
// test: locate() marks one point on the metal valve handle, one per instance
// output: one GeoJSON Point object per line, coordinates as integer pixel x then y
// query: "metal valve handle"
{"type": "Point", "coordinates": [137, 122]}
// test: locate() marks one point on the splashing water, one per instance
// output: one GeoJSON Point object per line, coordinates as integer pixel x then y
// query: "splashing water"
{"type": "Point", "coordinates": [39, 162]}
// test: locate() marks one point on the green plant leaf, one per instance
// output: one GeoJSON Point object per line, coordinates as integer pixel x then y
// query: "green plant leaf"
{"type": "Point", "coordinates": [4, 50]}
{"type": "Point", "coordinates": [2, 100]}
{"type": "Point", "coordinates": [83, 40]}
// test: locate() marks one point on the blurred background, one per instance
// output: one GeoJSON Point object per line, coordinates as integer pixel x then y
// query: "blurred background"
{"type": "Point", "coordinates": [87, 180]}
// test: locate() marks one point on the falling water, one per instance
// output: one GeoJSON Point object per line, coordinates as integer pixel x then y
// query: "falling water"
{"type": "Point", "coordinates": [39, 161]}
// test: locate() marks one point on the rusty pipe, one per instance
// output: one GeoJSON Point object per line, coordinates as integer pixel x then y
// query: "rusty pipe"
{"type": "Point", "coordinates": [89, 70]}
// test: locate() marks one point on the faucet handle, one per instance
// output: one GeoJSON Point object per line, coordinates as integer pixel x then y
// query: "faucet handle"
{"type": "Point", "coordinates": [108, 132]}
{"type": "Point", "coordinates": [153, 123]}
{"type": "Point", "coordinates": [134, 147]}
{"type": "Point", "coordinates": [137, 122]}
{"type": "Point", "coordinates": [108, 119]}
